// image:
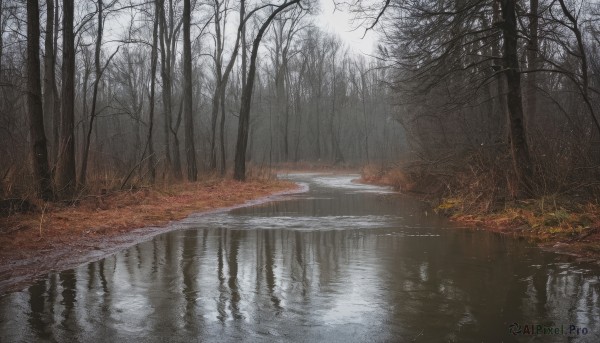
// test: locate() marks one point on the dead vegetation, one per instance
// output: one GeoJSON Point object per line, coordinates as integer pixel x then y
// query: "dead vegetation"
{"type": "Point", "coordinates": [476, 195]}
{"type": "Point", "coordinates": [57, 224]}
{"type": "Point", "coordinates": [314, 166]}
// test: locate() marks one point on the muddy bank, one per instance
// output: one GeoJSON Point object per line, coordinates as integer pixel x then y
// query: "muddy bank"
{"type": "Point", "coordinates": [55, 239]}
{"type": "Point", "coordinates": [562, 229]}
{"type": "Point", "coordinates": [581, 242]}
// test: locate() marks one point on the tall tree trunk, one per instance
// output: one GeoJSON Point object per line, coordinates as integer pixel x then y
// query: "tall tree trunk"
{"type": "Point", "coordinates": [286, 118]}
{"type": "Point", "coordinates": [87, 71]}
{"type": "Point", "coordinates": [99, 71]}
{"type": "Point", "coordinates": [176, 150]}
{"type": "Point", "coordinates": [49, 71]}
{"type": "Point", "coordinates": [336, 153]}
{"type": "Point", "coordinates": [244, 70]}
{"type": "Point", "coordinates": [56, 111]}
{"type": "Point", "coordinates": [222, 132]}
{"type": "Point", "coordinates": [65, 174]}
{"type": "Point", "coordinates": [240, 40]}
{"type": "Point", "coordinates": [498, 67]}
{"type": "Point", "coordinates": [364, 106]}
{"type": "Point", "coordinates": [84, 153]}
{"type": "Point", "coordinates": [533, 63]}
{"type": "Point", "coordinates": [171, 51]}
{"type": "Point", "coordinates": [218, 80]}
{"type": "Point", "coordinates": [280, 104]}
{"type": "Point", "coordinates": [318, 123]}
{"type": "Point", "coordinates": [297, 111]}
{"type": "Point", "coordinates": [166, 91]}
{"type": "Point", "coordinates": [190, 151]}
{"type": "Point", "coordinates": [212, 165]}
{"type": "Point", "coordinates": [154, 59]}
{"type": "Point", "coordinates": [518, 142]}
{"type": "Point", "coordinates": [244, 47]}
{"type": "Point", "coordinates": [39, 152]}
{"type": "Point", "coordinates": [244, 118]}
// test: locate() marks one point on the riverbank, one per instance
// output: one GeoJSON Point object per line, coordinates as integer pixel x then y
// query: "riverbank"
{"type": "Point", "coordinates": [555, 223]}
{"type": "Point", "coordinates": [60, 236]}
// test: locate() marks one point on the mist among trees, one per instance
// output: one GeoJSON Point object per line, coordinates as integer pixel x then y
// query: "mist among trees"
{"type": "Point", "coordinates": [104, 94]}
{"type": "Point", "coordinates": [109, 94]}
{"type": "Point", "coordinates": [503, 93]}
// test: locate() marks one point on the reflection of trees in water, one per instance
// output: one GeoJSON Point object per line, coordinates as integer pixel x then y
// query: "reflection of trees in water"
{"type": "Point", "coordinates": [269, 266]}
{"type": "Point", "coordinates": [68, 281]}
{"type": "Point", "coordinates": [474, 285]}
{"type": "Point", "coordinates": [221, 304]}
{"type": "Point", "coordinates": [190, 271]}
{"type": "Point", "coordinates": [39, 312]}
{"type": "Point", "coordinates": [232, 261]}
{"type": "Point", "coordinates": [460, 285]}
{"type": "Point", "coordinates": [568, 295]}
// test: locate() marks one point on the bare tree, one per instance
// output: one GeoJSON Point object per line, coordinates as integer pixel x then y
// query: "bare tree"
{"type": "Point", "coordinates": [168, 31]}
{"type": "Point", "coordinates": [285, 30]}
{"type": "Point", "coordinates": [190, 151]}
{"type": "Point", "coordinates": [220, 15]}
{"type": "Point", "coordinates": [39, 152]}
{"type": "Point", "coordinates": [158, 4]}
{"type": "Point", "coordinates": [65, 173]}
{"type": "Point", "coordinates": [582, 55]}
{"type": "Point", "coordinates": [107, 107]}
{"type": "Point", "coordinates": [56, 114]}
{"type": "Point", "coordinates": [99, 70]}
{"type": "Point", "coordinates": [49, 63]}
{"type": "Point", "coordinates": [518, 141]}
{"type": "Point", "coordinates": [532, 61]}
{"type": "Point", "coordinates": [244, 118]}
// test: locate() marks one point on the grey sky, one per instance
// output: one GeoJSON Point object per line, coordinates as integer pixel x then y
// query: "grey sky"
{"type": "Point", "coordinates": [341, 23]}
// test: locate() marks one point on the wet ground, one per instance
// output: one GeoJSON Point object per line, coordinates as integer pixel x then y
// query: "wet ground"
{"type": "Point", "coordinates": [342, 262]}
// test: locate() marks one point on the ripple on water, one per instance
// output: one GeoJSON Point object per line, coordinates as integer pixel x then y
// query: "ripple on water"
{"type": "Point", "coordinates": [346, 182]}
{"type": "Point", "coordinates": [307, 223]}
{"type": "Point", "coordinates": [333, 264]}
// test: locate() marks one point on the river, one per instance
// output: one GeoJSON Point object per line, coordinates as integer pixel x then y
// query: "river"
{"type": "Point", "coordinates": [342, 262]}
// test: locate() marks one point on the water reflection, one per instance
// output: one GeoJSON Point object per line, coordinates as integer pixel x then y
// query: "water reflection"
{"type": "Point", "coordinates": [336, 264]}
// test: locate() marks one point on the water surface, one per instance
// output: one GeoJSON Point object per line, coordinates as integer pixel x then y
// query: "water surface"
{"type": "Point", "coordinates": [341, 263]}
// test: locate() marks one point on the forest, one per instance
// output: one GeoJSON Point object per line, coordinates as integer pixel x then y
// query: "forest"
{"type": "Point", "coordinates": [239, 170]}
{"type": "Point", "coordinates": [504, 94]}
{"type": "Point", "coordinates": [482, 102]}
{"type": "Point", "coordinates": [109, 94]}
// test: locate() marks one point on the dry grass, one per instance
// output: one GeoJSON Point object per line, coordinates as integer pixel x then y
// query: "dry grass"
{"type": "Point", "coordinates": [54, 225]}
{"type": "Point", "coordinates": [305, 166]}
{"type": "Point", "coordinates": [479, 198]}
{"type": "Point", "coordinates": [532, 217]}
{"type": "Point", "coordinates": [387, 176]}
{"type": "Point", "coordinates": [560, 225]}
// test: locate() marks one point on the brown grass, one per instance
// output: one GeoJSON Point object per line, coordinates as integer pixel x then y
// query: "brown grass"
{"type": "Point", "coordinates": [534, 217]}
{"type": "Point", "coordinates": [387, 176]}
{"type": "Point", "coordinates": [575, 230]}
{"type": "Point", "coordinates": [55, 225]}
{"type": "Point", "coordinates": [476, 200]}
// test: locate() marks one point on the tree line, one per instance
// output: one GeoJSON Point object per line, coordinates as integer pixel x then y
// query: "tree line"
{"type": "Point", "coordinates": [111, 93]}
{"type": "Point", "coordinates": [512, 87]}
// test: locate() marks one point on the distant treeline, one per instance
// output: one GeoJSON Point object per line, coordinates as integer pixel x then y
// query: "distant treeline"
{"type": "Point", "coordinates": [109, 93]}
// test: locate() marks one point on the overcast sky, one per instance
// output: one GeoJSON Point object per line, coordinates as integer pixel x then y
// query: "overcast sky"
{"type": "Point", "coordinates": [342, 24]}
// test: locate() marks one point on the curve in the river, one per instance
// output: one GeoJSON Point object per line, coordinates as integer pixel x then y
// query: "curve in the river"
{"type": "Point", "coordinates": [343, 262]}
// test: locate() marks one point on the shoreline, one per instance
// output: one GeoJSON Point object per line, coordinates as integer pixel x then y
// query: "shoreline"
{"type": "Point", "coordinates": [22, 266]}
{"type": "Point", "coordinates": [582, 244]}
